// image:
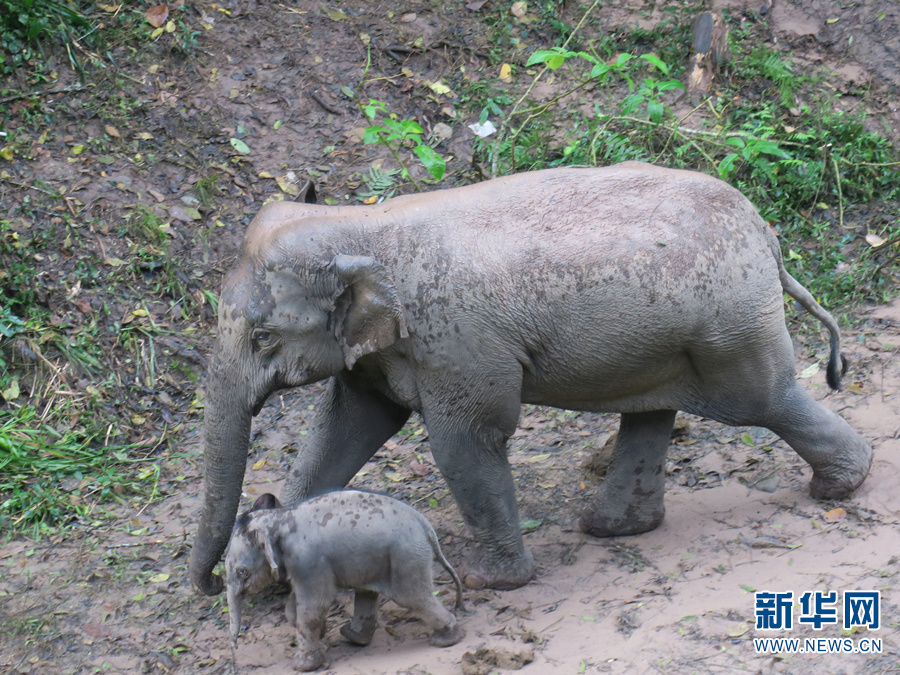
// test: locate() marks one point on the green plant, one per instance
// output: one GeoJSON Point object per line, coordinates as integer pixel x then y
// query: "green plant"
{"type": "Point", "coordinates": [395, 134]}
{"type": "Point", "coordinates": [25, 25]}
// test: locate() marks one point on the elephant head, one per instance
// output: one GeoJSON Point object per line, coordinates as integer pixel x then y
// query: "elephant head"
{"type": "Point", "coordinates": [252, 561]}
{"type": "Point", "coordinates": [292, 311]}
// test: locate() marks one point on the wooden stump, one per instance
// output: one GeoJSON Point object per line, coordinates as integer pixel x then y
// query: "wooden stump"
{"type": "Point", "coordinates": [710, 49]}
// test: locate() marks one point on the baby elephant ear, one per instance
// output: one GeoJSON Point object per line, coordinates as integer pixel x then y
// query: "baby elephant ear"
{"type": "Point", "coordinates": [272, 549]}
{"type": "Point", "coordinates": [367, 313]}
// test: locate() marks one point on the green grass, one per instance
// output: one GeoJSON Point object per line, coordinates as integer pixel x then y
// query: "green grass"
{"type": "Point", "coordinates": [810, 167]}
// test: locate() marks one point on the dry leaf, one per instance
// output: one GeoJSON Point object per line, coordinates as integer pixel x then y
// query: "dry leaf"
{"type": "Point", "coordinates": [408, 18]}
{"type": "Point", "coordinates": [539, 458]}
{"type": "Point", "coordinates": [874, 240]}
{"type": "Point", "coordinates": [371, 199]}
{"type": "Point", "coordinates": [475, 6]}
{"type": "Point", "coordinates": [506, 73]}
{"type": "Point", "coordinates": [518, 9]}
{"type": "Point", "coordinates": [440, 88]}
{"type": "Point", "coordinates": [156, 16]}
{"type": "Point", "coordinates": [809, 371]}
{"type": "Point", "coordinates": [112, 131]}
{"type": "Point", "coordinates": [258, 465]}
{"type": "Point", "coordinates": [287, 187]}
{"type": "Point", "coordinates": [114, 262]}
{"type": "Point", "coordinates": [835, 515]}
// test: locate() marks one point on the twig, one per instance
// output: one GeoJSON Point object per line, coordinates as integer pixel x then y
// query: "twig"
{"type": "Point", "coordinates": [495, 159]}
{"type": "Point", "coordinates": [46, 92]}
{"type": "Point", "coordinates": [837, 177]}
{"type": "Point", "coordinates": [317, 97]}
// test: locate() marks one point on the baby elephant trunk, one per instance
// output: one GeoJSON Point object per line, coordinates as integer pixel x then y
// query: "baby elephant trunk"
{"type": "Point", "coordinates": [234, 612]}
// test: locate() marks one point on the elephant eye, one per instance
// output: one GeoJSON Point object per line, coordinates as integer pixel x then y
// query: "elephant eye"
{"type": "Point", "coordinates": [261, 339]}
{"type": "Point", "coordinates": [243, 572]}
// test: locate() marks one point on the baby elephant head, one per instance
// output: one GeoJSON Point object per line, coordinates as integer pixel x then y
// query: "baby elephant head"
{"type": "Point", "coordinates": [253, 559]}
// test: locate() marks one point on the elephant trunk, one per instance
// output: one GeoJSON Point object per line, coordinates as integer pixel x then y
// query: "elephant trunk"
{"type": "Point", "coordinates": [234, 611]}
{"type": "Point", "coordinates": [227, 426]}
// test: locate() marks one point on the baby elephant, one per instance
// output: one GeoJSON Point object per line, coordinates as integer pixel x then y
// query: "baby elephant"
{"type": "Point", "coordinates": [344, 539]}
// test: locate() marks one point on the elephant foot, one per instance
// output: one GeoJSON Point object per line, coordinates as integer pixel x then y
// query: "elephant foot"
{"type": "Point", "coordinates": [310, 660]}
{"type": "Point", "coordinates": [841, 481]}
{"type": "Point", "coordinates": [602, 525]}
{"type": "Point", "coordinates": [361, 635]}
{"type": "Point", "coordinates": [480, 573]}
{"type": "Point", "coordinates": [447, 637]}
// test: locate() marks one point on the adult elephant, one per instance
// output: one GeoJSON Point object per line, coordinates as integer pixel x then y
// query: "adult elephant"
{"type": "Point", "coordinates": [630, 289]}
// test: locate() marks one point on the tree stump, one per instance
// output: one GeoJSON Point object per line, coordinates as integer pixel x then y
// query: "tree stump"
{"type": "Point", "coordinates": [710, 48]}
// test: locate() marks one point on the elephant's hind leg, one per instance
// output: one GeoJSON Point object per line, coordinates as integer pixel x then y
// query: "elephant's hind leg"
{"type": "Point", "coordinates": [362, 626]}
{"type": "Point", "coordinates": [630, 500]}
{"type": "Point", "coordinates": [840, 458]}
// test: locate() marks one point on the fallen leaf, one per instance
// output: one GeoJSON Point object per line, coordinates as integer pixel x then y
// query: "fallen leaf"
{"type": "Point", "coordinates": [12, 393]}
{"type": "Point", "coordinates": [506, 73]}
{"type": "Point", "coordinates": [738, 631]}
{"type": "Point", "coordinates": [144, 136]}
{"type": "Point", "coordinates": [874, 240]}
{"type": "Point", "coordinates": [854, 388]}
{"type": "Point", "coordinates": [185, 214]}
{"type": "Point", "coordinates": [393, 476]}
{"type": "Point", "coordinates": [7, 153]}
{"type": "Point", "coordinates": [440, 88]}
{"type": "Point", "coordinates": [408, 18]}
{"type": "Point", "coordinates": [518, 9]}
{"type": "Point", "coordinates": [240, 146]}
{"type": "Point", "coordinates": [96, 630]}
{"type": "Point", "coordinates": [77, 149]}
{"type": "Point", "coordinates": [835, 515]}
{"type": "Point", "coordinates": [109, 8]}
{"type": "Point", "coordinates": [809, 371]}
{"type": "Point", "coordinates": [156, 16]}
{"type": "Point", "coordinates": [748, 588]}
{"type": "Point", "coordinates": [258, 465]}
{"type": "Point", "coordinates": [287, 187]}
{"type": "Point", "coordinates": [112, 131]}
{"type": "Point", "coordinates": [114, 262]}
{"type": "Point", "coordinates": [475, 6]}
{"type": "Point", "coordinates": [529, 525]}
{"type": "Point", "coordinates": [747, 439]}
{"type": "Point", "coordinates": [538, 458]}
{"type": "Point", "coordinates": [170, 27]}
{"type": "Point", "coordinates": [159, 578]}
{"type": "Point", "coordinates": [370, 199]}
{"type": "Point", "coordinates": [419, 469]}
{"type": "Point", "coordinates": [336, 15]}
{"type": "Point", "coordinates": [140, 312]}
{"type": "Point", "coordinates": [265, 174]}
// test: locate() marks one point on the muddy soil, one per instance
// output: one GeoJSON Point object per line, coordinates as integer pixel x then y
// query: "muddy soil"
{"type": "Point", "coordinates": [113, 596]}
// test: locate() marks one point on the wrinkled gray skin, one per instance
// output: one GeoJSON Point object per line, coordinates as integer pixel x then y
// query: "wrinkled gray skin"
{"type": "Point", "coordinates": [630, 289]}
{"type": "Point", "coordinates": [344, 539]}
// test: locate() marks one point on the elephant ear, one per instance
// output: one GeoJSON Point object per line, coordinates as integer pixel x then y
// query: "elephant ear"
{"type": "Point", "coordinates": [271, 545]}
{"type": "Point", "coordinates": [367, 315]}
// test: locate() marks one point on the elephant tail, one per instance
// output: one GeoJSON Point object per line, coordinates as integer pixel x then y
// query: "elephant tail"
{"type": "Point", "coordinates": [439, 556]}
{"type": "Point", "coordinates": [837, 364]}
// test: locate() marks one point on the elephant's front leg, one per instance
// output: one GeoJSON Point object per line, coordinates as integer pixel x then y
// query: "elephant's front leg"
{"type": "Point", "coordinates": [472, 459]}
{"type": "Point", "coordinates": [630, 500]}
{"type": "Point", "coordinates": [352, 422]}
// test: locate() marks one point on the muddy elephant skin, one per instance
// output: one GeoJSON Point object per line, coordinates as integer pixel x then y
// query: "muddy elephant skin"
{"type": "Point", "coordinates": [631, 289]}
{"type": "Point", "coordinates": [368, 542]}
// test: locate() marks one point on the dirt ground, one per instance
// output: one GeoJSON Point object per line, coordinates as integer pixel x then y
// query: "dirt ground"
{"type": "Point", "coordinates": [115, 597]}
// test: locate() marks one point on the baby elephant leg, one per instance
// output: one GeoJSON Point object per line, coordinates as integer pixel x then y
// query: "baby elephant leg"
{"type": "Point", "coordinates": [309, 615]}
{"type": "Point", "coordinates": [362, 626]}
{"type": "Point", "coordinates": [446, 630]}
